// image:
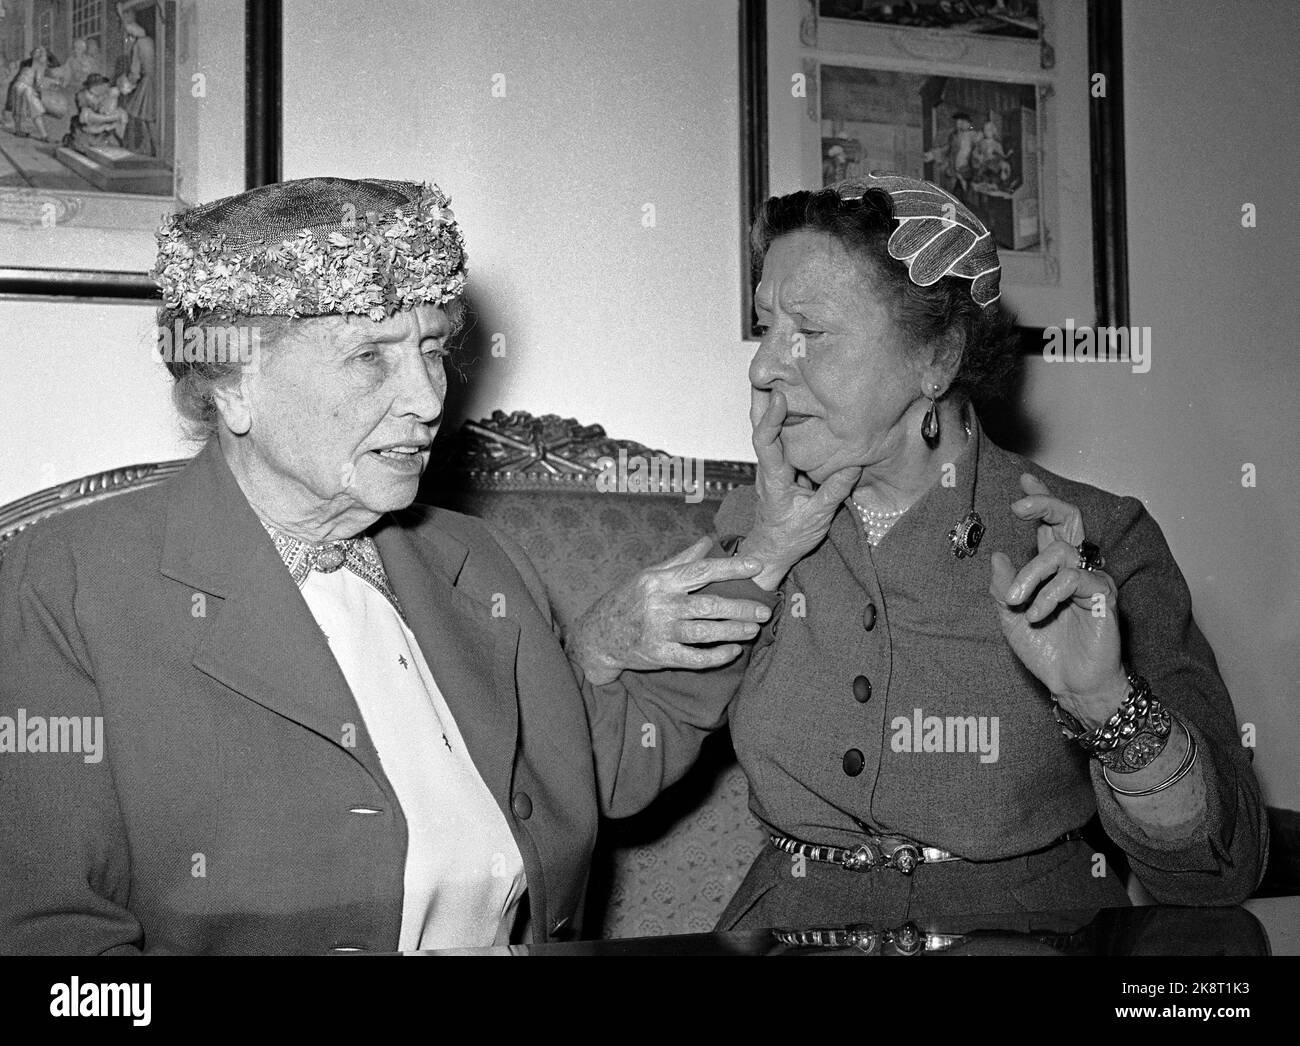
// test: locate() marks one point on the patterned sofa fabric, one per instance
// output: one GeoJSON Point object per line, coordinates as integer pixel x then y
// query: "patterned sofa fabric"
{"type": "Point", "coordinates": [673, 868]}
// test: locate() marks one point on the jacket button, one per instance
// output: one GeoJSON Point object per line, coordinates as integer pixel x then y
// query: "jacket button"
{"type": "Point", "coordinates": [862, 689]}
{"type": "Point", "coordinates": [522, 806]}
{"type": "Point", "coordinates": [854, 761]}
{"type": "Point", "coordinates": [869, 617]}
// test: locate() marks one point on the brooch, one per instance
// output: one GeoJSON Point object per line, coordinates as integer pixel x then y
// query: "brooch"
{"type": "Point", "coordinates": [967, 535]}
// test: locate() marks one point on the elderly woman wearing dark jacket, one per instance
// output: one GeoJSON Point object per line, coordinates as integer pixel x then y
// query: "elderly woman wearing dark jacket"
{"type": "Point", "coordinates": [274, 705]}
{"type": "Point", "coordinates": [951, 685]}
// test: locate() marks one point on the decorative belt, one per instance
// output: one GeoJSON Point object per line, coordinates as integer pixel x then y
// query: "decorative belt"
{"type": "Point", "coordinates": [907, 939]}
{"type": "Point", "coordinates": [885, 851]}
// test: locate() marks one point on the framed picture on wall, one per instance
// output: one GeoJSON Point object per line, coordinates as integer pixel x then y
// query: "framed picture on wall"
{"type": "Point", "coordinates": [116, 113]}
{"type": "Point", "coordinates": [1012, 106]}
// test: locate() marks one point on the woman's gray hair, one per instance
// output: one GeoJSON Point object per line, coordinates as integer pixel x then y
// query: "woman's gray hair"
{"type": "Point", "coordinates": [222, 358]}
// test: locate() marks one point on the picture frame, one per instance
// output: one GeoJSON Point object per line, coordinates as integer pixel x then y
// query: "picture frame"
{"type": "Point", "coordinates": [60, 240]}
{"type": "Point", "coordinates": [880, 95]}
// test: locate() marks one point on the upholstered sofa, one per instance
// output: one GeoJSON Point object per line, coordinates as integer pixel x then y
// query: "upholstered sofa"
{"type": "Point", "coordinates": [674, 867]}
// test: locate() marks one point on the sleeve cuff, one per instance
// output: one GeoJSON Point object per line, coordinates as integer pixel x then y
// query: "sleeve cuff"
{"type": "Point", "coordinates": [1207, 846]}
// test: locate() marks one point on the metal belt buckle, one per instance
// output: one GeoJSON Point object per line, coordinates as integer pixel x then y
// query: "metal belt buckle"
{"type": "Point", "coordinates": [863, 858]}
{"type": "Point", "coordinates": [865, 940]}
{"type": "Point", "coordinates": [908, 939]}
{"type": "Point", "coordinates": [905, 858]}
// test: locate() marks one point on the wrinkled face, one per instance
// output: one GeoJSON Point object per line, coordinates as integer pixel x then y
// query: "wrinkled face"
{"type": "Point", "coordinates": [343, 409]}
{"type": "Point", "coordinates": [830, 346]}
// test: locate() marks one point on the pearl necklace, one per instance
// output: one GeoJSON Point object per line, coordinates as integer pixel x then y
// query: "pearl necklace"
{"type": "Point", "coordinates": [877, 524]}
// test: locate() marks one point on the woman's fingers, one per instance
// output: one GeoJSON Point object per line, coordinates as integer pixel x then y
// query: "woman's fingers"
{"type": "Point", "coordinates": [767, 434]}
{"type": "Point", "coordinates": [678, 656]}
{"type": "Point", "coordinates": [767, 424]}
{"type": "Point", "coordinates": [1059, 519]}
{"type": "Point", "coordinates": [758, 403]}
{"type": "Point", "coordinates": [1056, 557]}
{"type": "Point", "coordinates": [693, 553]}
{"type": "Point", "coordinates": [1071, 585]}
{"type": "Point", "coordinates": [838, 486]}
{"type": "Point", "coordinates": [689, 577]}
{"type": "Point", "coordinates": [713, 631]}
{"type": "Point", "coordinates": [1031, 484]}
{"type": "Point", "coordinates": [707, 606]}
{"type": "Point", "coordinates": [1003, 573]}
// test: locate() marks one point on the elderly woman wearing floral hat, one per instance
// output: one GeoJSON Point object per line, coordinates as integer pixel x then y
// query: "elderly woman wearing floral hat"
{"type": "Point", "coordinates": [328, 719]}
{"type": "Point", "coordinates": [961, 669]}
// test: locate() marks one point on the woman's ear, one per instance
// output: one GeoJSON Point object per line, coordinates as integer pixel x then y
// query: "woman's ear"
{"type": "Point", "coordinates": [234, 403]}
{"type": "Point", "coordinates": [945, 361]}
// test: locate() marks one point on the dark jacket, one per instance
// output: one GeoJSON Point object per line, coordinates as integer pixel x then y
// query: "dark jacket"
{"type": "Point", "coordinates": [226, 814]}
{"type": "Point", "coordinates": [909, 627]}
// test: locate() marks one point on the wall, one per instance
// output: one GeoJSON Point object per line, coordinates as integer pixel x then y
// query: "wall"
{"type": "Point", "coordinates": [612, 105]}
{"type": "Point", "coordinates": [608, 107]}
{"type": "Point", "coordinates": [1209, 91]}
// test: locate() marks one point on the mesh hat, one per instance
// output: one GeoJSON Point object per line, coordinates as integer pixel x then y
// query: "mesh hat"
{"type": "Point", "coordinates": [313, 247]}
{"type": "Point", "coordinates": [937, 234]}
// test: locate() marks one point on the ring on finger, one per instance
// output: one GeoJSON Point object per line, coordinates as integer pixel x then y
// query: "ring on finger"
{"type": "Point", "coordinates": [1090, 557]}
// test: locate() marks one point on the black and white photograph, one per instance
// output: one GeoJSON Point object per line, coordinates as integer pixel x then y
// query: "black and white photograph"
{"type": "Point", "coordinates": [676, 478]}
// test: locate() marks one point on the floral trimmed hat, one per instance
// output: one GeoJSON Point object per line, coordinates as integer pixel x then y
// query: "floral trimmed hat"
{"type": "Point", "coordinates": [313, 247]}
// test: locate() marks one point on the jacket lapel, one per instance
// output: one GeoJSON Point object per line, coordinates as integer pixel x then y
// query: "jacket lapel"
{"type": "Point", "coordinates": [262, 640]}
{"type": "Point", "coordinates": [470, 650]}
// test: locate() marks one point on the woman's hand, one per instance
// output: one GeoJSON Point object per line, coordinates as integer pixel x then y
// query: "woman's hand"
{"type": "Point", "coordinates": [1061, 620]}
{"type": "Point", "coordinates": [653, 620]}
{"type": "Point", "coordinates": [792, 518]}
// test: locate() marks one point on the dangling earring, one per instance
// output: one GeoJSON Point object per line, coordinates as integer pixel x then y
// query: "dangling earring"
{"type": "Point", "coordinates": [930, 423]}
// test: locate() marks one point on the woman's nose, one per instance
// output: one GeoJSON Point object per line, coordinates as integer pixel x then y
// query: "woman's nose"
{"type": "Point", "coordinates": [773, 361]}
{"type": "Point", "coordinates": [423, 388]}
